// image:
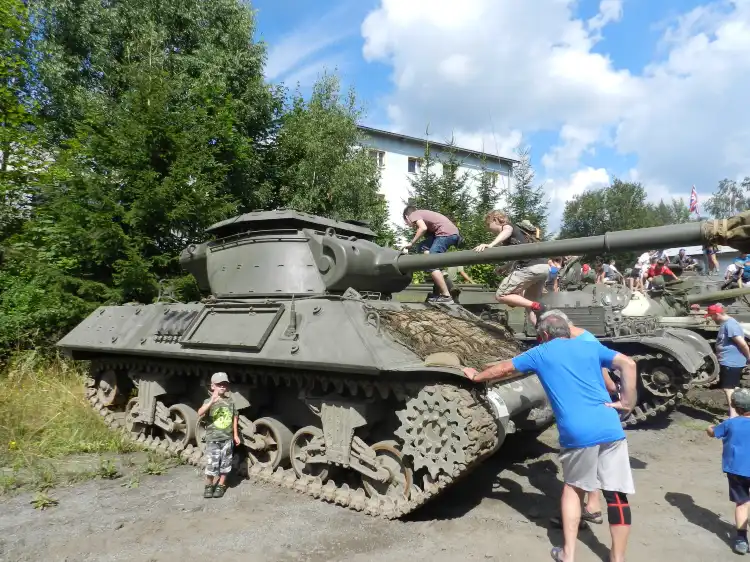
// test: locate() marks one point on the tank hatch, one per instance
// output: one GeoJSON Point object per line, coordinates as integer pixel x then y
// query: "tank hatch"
{"type": "Point", "coordinates": [283, 219]}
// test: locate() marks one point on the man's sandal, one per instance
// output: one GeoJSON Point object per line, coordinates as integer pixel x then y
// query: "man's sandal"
{"type": "Point", "coordinates": [557, 554]}
{"type": "Point", "coordinates": [586, 517]}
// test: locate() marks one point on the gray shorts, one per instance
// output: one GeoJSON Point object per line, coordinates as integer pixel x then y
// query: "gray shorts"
{"type": "Point", "coordinates": [219, 457]}
{"type": "Point", "coordinates": [600, 467]}
{"type": "Point", "coordinates": [528, 280]}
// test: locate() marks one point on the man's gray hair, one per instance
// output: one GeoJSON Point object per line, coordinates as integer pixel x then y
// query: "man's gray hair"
{"type": "Point", "coordinates": [554, 327]}
{"type": "Point", "coordinates": [555, 312]}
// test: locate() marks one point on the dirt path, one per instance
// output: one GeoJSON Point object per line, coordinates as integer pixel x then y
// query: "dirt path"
{"type": "Point", "coordinates": [681, 513]}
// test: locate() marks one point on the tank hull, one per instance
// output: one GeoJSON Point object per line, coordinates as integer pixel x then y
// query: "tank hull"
{"type": "Point", "coordinates": [336, 400]}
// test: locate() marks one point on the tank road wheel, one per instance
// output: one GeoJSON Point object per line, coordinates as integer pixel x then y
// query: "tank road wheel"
{"type": "Point", "coordinates": [399, 484]}
{"type": "Point", "coordinates": [278, 438]}
{"type": "Point", "coordinates": [185, 419]}
{"type": "Point", "coordinates": [659, 380]}
{"type": "Point", "coordinates": [306, 442]}
{"type": "Point", "coordinates": [108, 389]}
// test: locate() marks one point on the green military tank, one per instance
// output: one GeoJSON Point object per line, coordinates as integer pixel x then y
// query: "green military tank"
{"type": "Point", "coordinates": [345, 393]}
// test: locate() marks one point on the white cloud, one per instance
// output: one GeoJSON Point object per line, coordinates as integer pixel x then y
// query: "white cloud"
{"type": "Point", "coordinates": [561, 190]}
{"type": "Point", "coordinates": [530, 66]}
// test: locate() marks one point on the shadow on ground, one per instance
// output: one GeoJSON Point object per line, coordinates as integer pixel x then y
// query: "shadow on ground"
{"type": "Point", "coordinates": [700, 516]}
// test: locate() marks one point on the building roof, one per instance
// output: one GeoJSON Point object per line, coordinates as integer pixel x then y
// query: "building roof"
{"type": "Point", "coordinates": [696, 250]}
{"type": "Point", "coordinates": [458, 149]}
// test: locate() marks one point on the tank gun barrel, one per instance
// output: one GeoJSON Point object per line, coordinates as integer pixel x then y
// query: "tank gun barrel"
{"type": "Point", "coordinates": [622, 240]}
{"type": "Point", "coordinates": [718, 295]}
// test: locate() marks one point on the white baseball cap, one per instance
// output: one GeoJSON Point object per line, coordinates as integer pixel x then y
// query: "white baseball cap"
{"type": "Point", "coordinates": [220, 377]}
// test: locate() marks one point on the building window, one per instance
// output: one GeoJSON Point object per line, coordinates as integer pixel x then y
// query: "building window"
{"type": "Point", "coordinates": [415, 164]}
{"type": "Point", "coordinates": [379, 157]}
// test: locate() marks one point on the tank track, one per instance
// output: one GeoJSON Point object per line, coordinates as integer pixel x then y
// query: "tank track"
{"type": "Point", "coordinates": [481, 433]}
{"type": "Point", "coordinates": [650, 406]}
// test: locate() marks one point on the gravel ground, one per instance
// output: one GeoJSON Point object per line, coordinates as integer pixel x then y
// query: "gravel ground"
{"type": "Point", "coordinates": [500, 512]}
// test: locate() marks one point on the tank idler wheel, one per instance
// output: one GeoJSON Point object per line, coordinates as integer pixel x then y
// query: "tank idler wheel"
{"type": "Point", "coordinates": [278, 438]}
{"type": "Point", "coordinates": [185, 420]}
{"type": "Point", "coordinates": [306, 438]}
{"type": "Point", "coordinates": [130, 424]}
{"type": "Point", "coordinates": [107, 389]}
{"type": "Point", "coordinates": [399, 484]}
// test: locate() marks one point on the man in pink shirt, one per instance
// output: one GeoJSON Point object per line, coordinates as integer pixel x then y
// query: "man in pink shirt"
{"type": "Point", "coordinates": [440, 234]}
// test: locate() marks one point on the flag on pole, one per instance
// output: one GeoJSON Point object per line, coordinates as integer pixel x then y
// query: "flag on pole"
{"type": "Point", "coordinates": [694, 201]}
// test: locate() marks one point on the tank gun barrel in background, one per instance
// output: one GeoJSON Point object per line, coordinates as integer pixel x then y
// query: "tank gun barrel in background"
{"type": "Point", "coordinates": [717, 296]}
{"type": "Point", "coordinates": [686, 234]}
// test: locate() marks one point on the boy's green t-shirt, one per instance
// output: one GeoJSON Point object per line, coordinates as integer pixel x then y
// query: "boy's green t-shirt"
{"type": "Point", "coordinates": [221, 415]}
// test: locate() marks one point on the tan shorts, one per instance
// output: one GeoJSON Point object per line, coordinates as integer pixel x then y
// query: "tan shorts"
{"type": "Point", "coordinates": [528, 280]}
{"type": "Point", "coordinates": [601, 467]}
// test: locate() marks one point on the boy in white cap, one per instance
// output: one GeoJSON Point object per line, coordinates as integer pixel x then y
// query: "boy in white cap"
{"type": "Point", "coordinates": [735, 434]}
{"type": "Point", "coordinates": [221, 435]}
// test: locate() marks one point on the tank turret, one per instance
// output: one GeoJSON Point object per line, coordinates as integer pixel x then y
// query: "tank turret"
{"type": "Point", "coordinates": [273, 253]}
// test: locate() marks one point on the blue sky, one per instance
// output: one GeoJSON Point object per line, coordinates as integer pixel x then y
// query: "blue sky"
{"type": "Point", "coordinates": [637, 89]}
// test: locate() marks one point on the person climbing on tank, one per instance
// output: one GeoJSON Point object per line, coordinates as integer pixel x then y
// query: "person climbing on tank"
{"type": "Point", "coordinates": [731, 350]}
{"type": "Point", "coordinates": [222, 434]}
{"type": "Point", "coordinates": [440, 234]}
{"type": "Point", "coordinates": [660, 269]}
{"type": "Point", "coordinates": [593, 447]}
{"type": "Point", "coordinates": [591, 511]}
{"type": "Point", "coordinates": [733, 274]}
{"type": "Point", "coordinates": [553, 283]}
{"type": "Point", "coordinates": [735, 436]}
{"type": "Point", "coordinates": [524, 282]}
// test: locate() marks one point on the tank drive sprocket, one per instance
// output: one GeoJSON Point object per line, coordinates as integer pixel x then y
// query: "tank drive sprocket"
{"type": "Point", "coordinates": [441, 431]}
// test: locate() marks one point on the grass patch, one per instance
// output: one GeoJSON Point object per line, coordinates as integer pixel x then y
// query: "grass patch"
{"type": "Point", "coordinates": [45, 416]}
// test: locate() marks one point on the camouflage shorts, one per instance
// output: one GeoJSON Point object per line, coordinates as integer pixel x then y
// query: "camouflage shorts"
{"type": "Point", "coordinates": [218, 457]}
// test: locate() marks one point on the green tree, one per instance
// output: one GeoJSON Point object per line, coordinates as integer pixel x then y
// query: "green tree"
{"type": "Point", "coordinates": [21, 159]}
{"type": "Point", "coordinates": [729, 198]}
{"type": "Point", "coordinates": [322, 165]}
{"type": "Point", "coordinates": [525, 201]}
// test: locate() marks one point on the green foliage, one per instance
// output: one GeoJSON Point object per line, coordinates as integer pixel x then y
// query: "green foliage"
{"type": "Point", "coordinates": [321, 163]}
{"type": "Point", "coordinates": [40, 303]}
{"type": "Point", "coordinates": [730, 198]}
{"type": "Point", "coordinates": [620, 206]}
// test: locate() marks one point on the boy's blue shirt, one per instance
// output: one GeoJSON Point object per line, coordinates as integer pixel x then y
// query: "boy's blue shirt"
{"type": "Point", "coordinates": [735, 434]}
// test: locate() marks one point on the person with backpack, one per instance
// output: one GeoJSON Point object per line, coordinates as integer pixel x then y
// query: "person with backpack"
{"type": "Point", "coordinates": [524, 280]}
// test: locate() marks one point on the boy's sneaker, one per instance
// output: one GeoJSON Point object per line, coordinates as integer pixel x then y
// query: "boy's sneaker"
{"type": "Point", "coordinates": [219, 491]}
{"type": "Point", "coordinates": [442, 299]}
{"type": "Point", "coordinates": [208, 491]}
{"type": "Point", "coordinates": [740, 545]}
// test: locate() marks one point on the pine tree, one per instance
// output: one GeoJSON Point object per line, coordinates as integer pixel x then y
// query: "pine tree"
{"type": "Point", "coordinates": [525, 201]}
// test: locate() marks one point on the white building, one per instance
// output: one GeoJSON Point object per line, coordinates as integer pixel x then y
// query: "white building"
{"type": "Point", "coordinates": [399, 157]}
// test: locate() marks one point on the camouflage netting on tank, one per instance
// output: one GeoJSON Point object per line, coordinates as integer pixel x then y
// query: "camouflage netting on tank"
{"type": "Point", "coordinates": [428, 331]}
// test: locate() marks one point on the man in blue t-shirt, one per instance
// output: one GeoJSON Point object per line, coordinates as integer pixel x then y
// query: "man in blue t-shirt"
{"type": "Point", "coordinates": [731, 350]}
{"type": "Point", "coordinates": [735, 462]}
{"type": "Point", "coordinates": [593, 449]}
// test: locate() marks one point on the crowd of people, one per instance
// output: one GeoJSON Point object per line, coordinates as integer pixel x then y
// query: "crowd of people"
{"type": "Point", "coordinates": [574, 369]}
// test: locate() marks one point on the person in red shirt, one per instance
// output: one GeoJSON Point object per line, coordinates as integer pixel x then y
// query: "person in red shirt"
{"type": "Point", "coordinates": [660, 269]}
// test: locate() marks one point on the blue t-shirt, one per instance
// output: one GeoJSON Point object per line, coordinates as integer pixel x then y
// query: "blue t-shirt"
{"type": "Point", "coordinates": [571, 374]}
{"type": "Point", "coordinates": [586, 336]}
{"type": "Point", "coordinates": [728, 352]}
{"type": "Point", "coordinates": [735, 433]}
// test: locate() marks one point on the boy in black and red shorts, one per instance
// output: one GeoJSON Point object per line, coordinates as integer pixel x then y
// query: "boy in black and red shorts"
{"type": "Point", "coordinates": [735, 433]}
